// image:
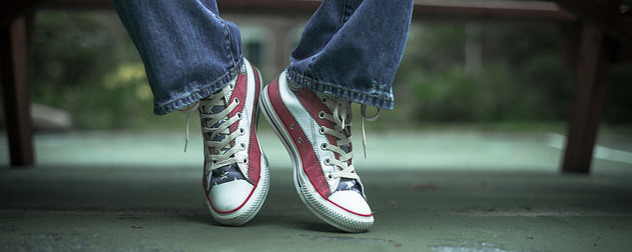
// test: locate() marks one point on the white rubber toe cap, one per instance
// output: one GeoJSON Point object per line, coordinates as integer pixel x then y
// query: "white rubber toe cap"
{"type": "Point", "coordinates": [230, 196]}
{"type": "Point", "coordinates": [352, 202]}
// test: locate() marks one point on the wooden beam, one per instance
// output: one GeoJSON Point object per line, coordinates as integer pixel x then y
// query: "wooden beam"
{"type": "Point", "coordinates": [11, 10]}
{"type": "Point", "coordinates": [423, 10]}
{"type": "Point", "coordinates": [80, 5]}
{"type": "Point", "coordinates": [269, 7]}
{"type": "Point", "coordinates": [13, 55]}
{"type": "Point", "coordinates": [490, 10]}
{"type": "Point", "coordinates": [590, 91]}
{"type": "Point", "coordinates": [608, 18]}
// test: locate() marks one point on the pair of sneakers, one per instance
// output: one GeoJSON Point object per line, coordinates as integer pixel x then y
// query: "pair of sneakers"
{"type": "Point", "coordinates": [315, 129]}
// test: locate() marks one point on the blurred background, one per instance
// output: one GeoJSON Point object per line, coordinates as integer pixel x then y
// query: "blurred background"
{"type": "Point", "coordinates": [471, 79]}
{"type": "Point", "coordinates": [469, 159]}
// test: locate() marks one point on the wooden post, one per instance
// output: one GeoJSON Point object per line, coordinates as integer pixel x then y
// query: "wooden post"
{"type": "Point", "coordinates": [592, 70]}
{"type": "Point", "coordinates": [13, 55]}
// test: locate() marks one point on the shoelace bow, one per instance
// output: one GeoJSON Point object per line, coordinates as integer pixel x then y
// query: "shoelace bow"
{"type": "Point", "coordinates": [216, 124]}
{"type": "Point", "coordinates": [342, 110]}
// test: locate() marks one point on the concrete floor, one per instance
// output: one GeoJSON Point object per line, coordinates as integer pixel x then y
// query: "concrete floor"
{"type": "Point", "coordinates": [431, 191]}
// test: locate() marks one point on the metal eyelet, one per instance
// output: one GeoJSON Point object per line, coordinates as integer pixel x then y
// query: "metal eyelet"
{"type": "Point", "coordinates": [243, 146]}
{"type": "Point", "coordinates": [321, 130]}
{"type": "Point", "coordinates": [321, 114]}
{"type": "Point", "coordinates": [329, 176]}
{"type": "Point", "coordinates": [236, 100]}
{"type": "Point", "coordinates": [324, 99]}
{"type": "Point", "coordinates": [240, 115]}
{"type": "Point", "coordinates": [323, 146]}
{"type": "Point", "coordinates": [242, 131]}
{"type": "Point", "coordinates": [245, 161]}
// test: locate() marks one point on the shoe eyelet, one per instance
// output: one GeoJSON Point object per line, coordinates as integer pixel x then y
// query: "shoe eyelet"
{"type": "Point", "coordinates": [240, 115]}
{"type": "Point", "coordinates": [323, 146]}
{"type": "Point", "coordinates": [243, 146]}
{"type": "Point", "coordinates": [242, 131]}
{"type": "Point", "coordinates": [324, 99]}
{"type": "Point", "coordinates": [292, 126]}
{"type": "Point", "coordinates": [245, 161]}
{"type": "Point", "coordinates": [236, 100]}
{"type": "Point", "coordinates": [329, 176]}
{"type": "Point", "coordinates": [321, 114]}
{"type": "Point", "coordinates": [327, 161]}
{"type": "Point", "coordinates": [321, 130]}
{"type": "Point", "coordinates": [299, 140]}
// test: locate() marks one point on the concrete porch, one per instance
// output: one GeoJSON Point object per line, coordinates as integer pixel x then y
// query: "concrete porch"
{"type": "Point", "coordinates": [430, 190]}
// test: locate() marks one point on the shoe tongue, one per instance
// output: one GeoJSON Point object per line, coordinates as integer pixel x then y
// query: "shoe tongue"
{"type": "Point", "coordinates": [347, 184]}
{"type": "Point", "coordinates": [226, 174]}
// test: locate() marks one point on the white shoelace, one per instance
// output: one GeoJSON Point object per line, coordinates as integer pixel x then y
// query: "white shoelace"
{"type": "Point", "coordinates": [188, 110]}
{"type": "Point", "coordinates": [370, 119]}
{"type": "Point", "coordinates": [223, 153]}
{"type": "Point", "coordinates": [342, 110]}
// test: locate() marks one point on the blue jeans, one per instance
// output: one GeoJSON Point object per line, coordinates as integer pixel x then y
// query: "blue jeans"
{"type": "Point", "coordinates": [349, 49]}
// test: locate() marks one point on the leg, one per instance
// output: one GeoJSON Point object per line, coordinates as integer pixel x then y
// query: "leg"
{"type": "Point", "coordinates": [352, 49]}
{"type": "Point", "coordinates": [346, 54]}
{"type": "Point", "coordinates": [589, 98]}
{"type": "Point", "coordinates": [189, 52]}
{"type": "Point", "coordinates": [16, 92]}
{"type": "Point", "coordinates": [193, 60]}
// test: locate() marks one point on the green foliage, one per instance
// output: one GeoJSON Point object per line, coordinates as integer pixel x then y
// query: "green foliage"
{"type": "Point", "coordinates": [521, 77]}
{"type": "Point", "coordinates": [85, 63]}
{"type": "Point", "coordinates": [618, 108]}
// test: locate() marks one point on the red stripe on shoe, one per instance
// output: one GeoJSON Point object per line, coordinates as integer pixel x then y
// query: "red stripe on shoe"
{"type": "Point", "coordinates": [313, 104]}
{"type": "Point", "coordinates": [308, 159]}
{"type": "Point", "coordinates": [254, 153]}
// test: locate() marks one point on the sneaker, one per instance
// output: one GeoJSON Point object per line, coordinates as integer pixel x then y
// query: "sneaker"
{"type": "Point", "coordinates": [236, 174]}
{"type": "Point", "coordinates": [316, 130]}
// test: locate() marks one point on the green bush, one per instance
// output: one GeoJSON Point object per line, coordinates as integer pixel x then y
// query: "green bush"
{"type": "Point", "coordinates": [84, 62]}
{"type": "Point", "coordinates": [520, 79]}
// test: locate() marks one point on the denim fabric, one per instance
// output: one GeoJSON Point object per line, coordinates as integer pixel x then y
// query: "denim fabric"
{"type": "Point", "coordinates": [189, 52]}
{"type": "Point", "coordinates": [352, 49]}
{"type": "Point", "coordinates": [349, 48]}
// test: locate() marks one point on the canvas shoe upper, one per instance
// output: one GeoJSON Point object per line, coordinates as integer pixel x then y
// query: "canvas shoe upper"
{"type": "Point", "coordinates": [236, 174]}
{"type": "Point", "coordinates": [316, 131]}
